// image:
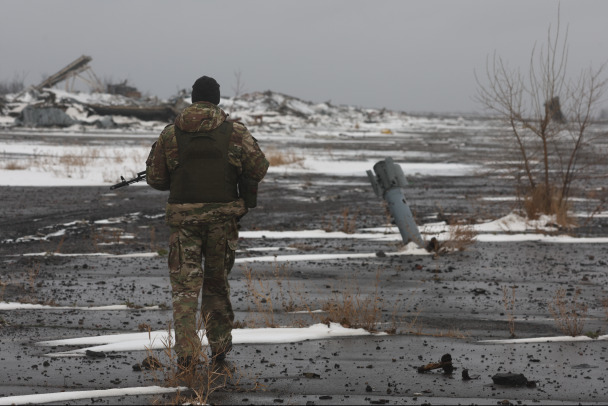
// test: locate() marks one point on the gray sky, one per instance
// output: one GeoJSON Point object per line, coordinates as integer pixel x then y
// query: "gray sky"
{"type": "Point", "coordinates": [416, 56]}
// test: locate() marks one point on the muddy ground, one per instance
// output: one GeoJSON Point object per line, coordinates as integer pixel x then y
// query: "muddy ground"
{"type": "Point", "coordinates": [436, 304]}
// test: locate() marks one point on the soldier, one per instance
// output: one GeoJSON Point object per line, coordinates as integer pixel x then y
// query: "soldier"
{"type": "Point", "coordinates": [211, 167]}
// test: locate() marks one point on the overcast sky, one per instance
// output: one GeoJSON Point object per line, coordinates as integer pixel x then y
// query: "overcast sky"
{"type": "Point", "coordinates": [416, 56]}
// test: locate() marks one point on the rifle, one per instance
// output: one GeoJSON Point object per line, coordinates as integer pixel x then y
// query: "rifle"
{"type": "Point", "coordinates": [124, 182]}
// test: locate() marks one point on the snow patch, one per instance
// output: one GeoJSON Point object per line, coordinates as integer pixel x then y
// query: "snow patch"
{"type": "Point", "coordinates": [158, 339]}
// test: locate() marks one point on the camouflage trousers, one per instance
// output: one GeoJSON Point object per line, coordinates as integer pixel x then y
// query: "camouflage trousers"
{"type": "Point", "coordinates": [188, 245]}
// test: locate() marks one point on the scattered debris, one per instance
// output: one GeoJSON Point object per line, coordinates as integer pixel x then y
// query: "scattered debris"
{"type": "Point", "coordinates": [71, 71]}
{"type": "Point", "coordinates": [311, 375]}
{"type": "Point", "coordinates": [95, 354]}
{"type": "Point", "coordinates": [149, 363]}
{"type": "Point", "coordinates": [511, 379]}
{"type": "Point", "coordinates": [433, 245]}
{"type": "Point", "coordinates": [152, 113]}
{"type": "Point", "coordinates": [445, 364]}
{"type": "Point", "coordinates": [479, 291]}
{"type": "Point", "coordinates": [123, 89]}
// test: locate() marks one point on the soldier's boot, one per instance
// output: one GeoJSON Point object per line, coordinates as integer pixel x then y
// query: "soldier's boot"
{"type": "Point", "coordinates": [219, 354]}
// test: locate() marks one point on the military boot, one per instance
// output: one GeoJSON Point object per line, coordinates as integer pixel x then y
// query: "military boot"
{"type": "Point", "coordinates": [187, 363]}
{"type": "Point", "coordinates": [219, 355]}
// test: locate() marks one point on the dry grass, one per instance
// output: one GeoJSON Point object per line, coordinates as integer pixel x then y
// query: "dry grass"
{"type": "Point", "coordinates": [569, 314]}
{"type": "Point", "coordinates": [353, 309]}
{"type": "Point", "coordinates": [14, 166]}
{"type": "Point", "coordinates": [508, 301]}
{"type": "Point", "coordinates": [348, 304]}
{"type": "Point", "coordinates": [74, 162]}
{"type": "Point", "coordinates": [461, 237]}
{"type": "Point", "coordinates": [3, 286]}
{"type": "Point", "coordinates": [202, 379]}
{"type": "Point", "coordinates": [280, 158]}
{"type": "Point", "coordinates": [259, 291]}
{"type": "Point", "coordinates": [537, 202]}
{"type": "Point", "coordinates": [27, 285]}
{"type": "Point", "coordinates": [345, 222]}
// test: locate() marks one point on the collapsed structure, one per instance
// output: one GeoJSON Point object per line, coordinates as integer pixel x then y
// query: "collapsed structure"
{"type": "Point", "coordinates": [43, 105]}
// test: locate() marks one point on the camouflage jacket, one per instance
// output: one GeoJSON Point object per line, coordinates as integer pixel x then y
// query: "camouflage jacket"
{"type": "Point", "coordinates": [243, 152]}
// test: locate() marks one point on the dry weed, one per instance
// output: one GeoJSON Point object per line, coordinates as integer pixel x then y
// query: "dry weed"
{"type": "Point", "coordinates": [353, 309]}
{"type": "Point", "coordinates": [14, 166]}
{"type": "Point", "coordinates": [460, 237]}
{"type": "Point", "coordinates": [345, 222]}
{"type": "Point", "coordinates": [202, 378]}
{"type": "Point", "coordinates": [287, 295]}
{"type": "Point", "coordinates": [32, 275]}
{"type": "Point", "coordinates": [279, 158]}
{"type": "Point", "coordinates": [569, 314]}
{"type": "Point", "coordinates": [535, 203]}
{"type": "Point", "coordinates": [450, 333]}
{"type": "Point", "coordinates": [508, 302]}
{"type": "Point", "coordinates": [259, 291]}
{"type": "Point", "coordinates": [3, 286]}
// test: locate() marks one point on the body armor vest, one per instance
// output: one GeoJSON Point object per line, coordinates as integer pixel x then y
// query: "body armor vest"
{"type": "Point", "coordinates": [203, 173]}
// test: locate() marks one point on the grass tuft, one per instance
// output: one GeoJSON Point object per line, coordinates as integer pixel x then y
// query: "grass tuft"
{"type": "Point", "coordinates": [569, 314]}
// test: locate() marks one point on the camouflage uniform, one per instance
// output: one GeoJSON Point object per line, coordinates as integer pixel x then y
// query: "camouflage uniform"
{"type": "Point", "coordinates": [202, 229]}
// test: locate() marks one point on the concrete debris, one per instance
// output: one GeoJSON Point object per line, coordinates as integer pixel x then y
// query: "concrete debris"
{"type": "Point", "coordinates": [45, 116]}
{"type": "Point", "coordinates": [123, 89]}
{"type": "Point", "coordinates": [511, 379]}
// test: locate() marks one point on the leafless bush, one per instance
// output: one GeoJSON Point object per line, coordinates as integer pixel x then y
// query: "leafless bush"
{"type": "Point", "coordinates": [549, 115]}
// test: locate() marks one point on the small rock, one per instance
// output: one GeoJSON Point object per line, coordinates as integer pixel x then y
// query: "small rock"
{"type": "Point", "coordinates": [510, 379]}
{"type": "Point", "coordinates": [95, 354]}
{"type": "Point", "coordinates": [311, 375]}
{"type": "Point", "coordinates": [151, 363]}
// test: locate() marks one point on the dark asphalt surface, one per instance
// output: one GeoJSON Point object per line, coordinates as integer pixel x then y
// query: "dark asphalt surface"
{"type": "Point", "coordinates": [441, 305]}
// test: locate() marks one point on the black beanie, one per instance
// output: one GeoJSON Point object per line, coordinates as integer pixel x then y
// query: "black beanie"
{"type": "Point", "coordinates": [206, 89]}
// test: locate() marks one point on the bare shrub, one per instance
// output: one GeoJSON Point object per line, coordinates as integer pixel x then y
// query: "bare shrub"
{"type": "Point", "coordinates": [461, 237]}
{"type": "Point", "coordinates": [549, 115]}
{"type": "Point", "coordinates": [569, 314]}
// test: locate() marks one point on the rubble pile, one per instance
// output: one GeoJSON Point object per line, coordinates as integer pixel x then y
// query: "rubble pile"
{"type": "Point", "coordinates": [120, 105]}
